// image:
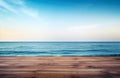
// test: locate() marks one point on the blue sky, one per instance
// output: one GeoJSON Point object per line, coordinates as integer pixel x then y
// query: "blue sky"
{"type": "Point", "coordinates": [59, 20]}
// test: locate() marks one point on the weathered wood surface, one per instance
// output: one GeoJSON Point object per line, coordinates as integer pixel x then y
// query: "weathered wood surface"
{"type": "Point", "coordinates": [59, 67]}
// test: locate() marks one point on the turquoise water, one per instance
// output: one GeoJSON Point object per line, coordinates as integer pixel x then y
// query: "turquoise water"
{"type": "Point", "coordinates": [59, 48]}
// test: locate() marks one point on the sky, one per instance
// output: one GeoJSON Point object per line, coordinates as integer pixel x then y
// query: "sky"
{"type": "Point", "coordinates": [59, 20]}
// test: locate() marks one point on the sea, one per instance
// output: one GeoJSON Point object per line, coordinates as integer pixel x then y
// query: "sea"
{"type": "Point", "coordinates": [59, 48]}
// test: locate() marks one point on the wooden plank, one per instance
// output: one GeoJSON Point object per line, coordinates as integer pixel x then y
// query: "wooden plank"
{"type": "Point", "coordinates": [85, 74]}
{"type": "Point", "coordinates": [59, 67]}
{"type": "Point", "coordinates": [17, 74]}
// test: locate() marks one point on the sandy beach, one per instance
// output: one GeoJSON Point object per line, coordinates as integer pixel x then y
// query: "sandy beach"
{"type": "Point", "coordinates": [59, 67]}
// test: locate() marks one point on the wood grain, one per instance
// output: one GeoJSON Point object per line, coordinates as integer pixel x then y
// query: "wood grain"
{"type": "Point", "coordinates": [59, 67]}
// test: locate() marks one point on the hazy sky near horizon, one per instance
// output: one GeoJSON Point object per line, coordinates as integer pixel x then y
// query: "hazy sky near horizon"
{"type": "Point", "coordinates": [60, 20]}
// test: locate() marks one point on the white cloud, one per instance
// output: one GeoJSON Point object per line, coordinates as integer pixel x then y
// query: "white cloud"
{"type": "Point", "coordinates": [82, 28]}
{"type": "Point", "coordinates": [7, 6]}
{"type": "Point", "coordinates": [22, 10]}
{"type": "Point", "coordinates": [31, 13]}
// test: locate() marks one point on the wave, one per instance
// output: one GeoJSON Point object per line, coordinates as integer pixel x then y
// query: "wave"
{"type": "Point", "coordinates": [22, 52]}
{"type": "Point", "coordinates": [59, 52]}
{"type": "Point", "coordinates": [94, 50]}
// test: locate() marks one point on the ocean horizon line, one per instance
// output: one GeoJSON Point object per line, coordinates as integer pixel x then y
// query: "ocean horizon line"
{"type": "Point", "coordinates": [59, 41]}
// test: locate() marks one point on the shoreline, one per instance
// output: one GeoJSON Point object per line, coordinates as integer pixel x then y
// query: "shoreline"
{"type": "Point", "coordinates": [112, 55]}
